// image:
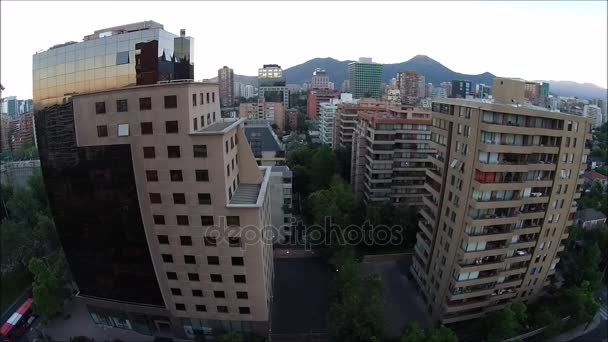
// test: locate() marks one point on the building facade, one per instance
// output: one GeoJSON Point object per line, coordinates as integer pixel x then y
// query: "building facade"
{"type": "Point", "coordinates": [225, 77]}
{"type": "Point", "coordinates": [365, 78]}
{"type": "Point", "coordinates": [503, 184]}
{"type": "Point", "coordinates": [346, 117]}
{"type": "Point", "coordinates": [326, 122]}
{"type": "Point", "coordinates": [411, 86]}
{"type": "Point", "coordinates": [271, 83]}
{"type": "Point", "coordinates": [22, 131]}
{"type": "Point", "coordinates": [320, 79]}
{"type": "Point", "coordinates": [594, 113]}
{"type": "Point", "coordinates": [461, 89]}
{"type": "Point", "coordinates": [316, 97]}
{"type": "Point", "coordinates": [282, 205]}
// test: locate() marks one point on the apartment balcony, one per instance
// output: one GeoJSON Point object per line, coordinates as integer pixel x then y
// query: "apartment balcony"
{"type": "Point", "coordinates": [512, 129]}
{"type": "Point", "coordinates": [512, 185]}
{"type": "Point", "coordinates": [436, 160]}
{"type": "Point", "coordinates": [560, 248]}
{"type": "Point", "coordinates": [418, 278]}
{"type": "Point", "coordinates": [502, 296]}
{"type": "Point", "coordinates": [432, 205]}
{"type": "Point", "coordinates": [421, 253]}
{"type": "Point", "coordinates": [435, 174]}
{"type": "Point", "coordinates": [512, 203]}
{"type": "Point", "coordinates": [470, 292]}
{"type": "Point", "coordinates": [551, 272]}
{"type": "Point", "coordinates": [532, 215]}
{"type": "Point", "coordinates": [514, 271]}
{"type": "Point", "coordinates": [565, 236]}
{"type": "Point", "coordinates": [491, 220]}
{"type": "Point", "coordinates": [518, 258]}
{"type": "Point", "coordinates": [432, 190]}
{"type": "Point", "coordinates": [458, 318]}
{"type": "Point", "coordinates": [490, 250]}
{"type": "Point", "coordinates": [509, 284]}
{"type": "Point", "coordinates": [521, 149]}
{"type": "Point", "coordinates": [425, 228]}
{"type": "Point", "coordinates": [372, 160]}
{"type": "Point", "coordinates": [522, 244]}
{"type": "Point", "coordinates": [378, 180]}
{"type": "Point", "coordinates": [373, 170]}
{"type": "Point", "coordinates": [491, 233]}
{"type": "Point", "coordinates": [491, 277]}
{"type": "Point", "coordinates": [424, 241]}
{"type": "Point", "coordinates": [482, 264]}
{"type": "Point", "coordinates": [376, 150]}
{"type": "Point", "coordinates": [527, 230]}
{"type": "Point", "coordinates": [465, 305]}
{"type": "Point", "coordinates": [437, 146]}
{"type": "Point", "coordinates": [430, 219]}
{"type": "Point", "coordinates": [514, 167]}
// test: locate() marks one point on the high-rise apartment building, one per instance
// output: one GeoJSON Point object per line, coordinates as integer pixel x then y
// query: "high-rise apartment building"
{"type": "Point", "coordinates": [249, 91]}
{"type": "Point", "coordinates": [447, 86]}
{"type": "Point", "coordinates": [225, 77]}
{"type": "Point", "coordinates": [22, 131]}
{"type": "Point", "coordinates": [482, 91]}
{"type": "Point", "coordinates": [594, 113]}
{"type": "Point", "coordinates": [346, 116]}
{"type": "Point", "coordinates": [316, 97]}
{"type": "Point", "coordinates": [271, 82]}
{"type": "Point", "coordinates": [503, 184]}
{"type": "Point", "coordinates": [320, 79]}
{"type": "Point", "coordinates": [126, 55]}
{"type": "Point", "coordinates": [460, 89]}
{"type": "Point", "coordinates": [411, 86]}
{"type": "Point", "coordinates": [365, 78]}
{"type": "Point", "coordinates": [389, 155]}
{"type": "Point", "coordinates": [326, 122]}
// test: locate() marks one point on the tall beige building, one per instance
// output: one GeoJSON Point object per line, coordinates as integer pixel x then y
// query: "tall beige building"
{"type": "Point", "coordinates": [503, 185]}
{"type": "Point", "coordinates": [390, 155]}
{"type": "Point", "coordinates": [225, 77]}
{"type": "Point", "coordinates": [164, 201]}
{"type": "Point", "coordinates": [345, 119]}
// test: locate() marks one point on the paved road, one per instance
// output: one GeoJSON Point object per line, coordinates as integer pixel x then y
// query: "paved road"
{"type": "Point", "coordinates": [599, 334]}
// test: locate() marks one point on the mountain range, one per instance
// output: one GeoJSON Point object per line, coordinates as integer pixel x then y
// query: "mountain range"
{"type": "Point", "coordinates": [433, 71]}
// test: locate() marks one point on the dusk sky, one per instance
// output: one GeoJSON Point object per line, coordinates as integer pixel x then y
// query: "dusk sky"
{"type": "Point", "coordinates": [535, 41]}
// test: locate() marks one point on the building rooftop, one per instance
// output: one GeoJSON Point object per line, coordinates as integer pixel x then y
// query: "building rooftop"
{"type": "Point", "coordinates": [219, 126]}
{"type": "Point", "coordinates": [488, 103]}
{"type": "Point", "coordinates": [265, 135]}
{"type": "Point", "coordinates": [590, 214]}
{"type": "Point", "coordinates": [246, 194]}
{"type": "Point", "coordinates": [281, 168]}
{"type": "Point", "coordinates": [593, 175]}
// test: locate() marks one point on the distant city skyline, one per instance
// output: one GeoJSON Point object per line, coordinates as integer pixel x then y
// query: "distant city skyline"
{"type": "Point", "coordinates": [519, 50]}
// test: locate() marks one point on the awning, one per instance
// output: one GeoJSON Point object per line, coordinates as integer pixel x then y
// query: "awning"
{"type": "Point", "coordinates": [16, 317]}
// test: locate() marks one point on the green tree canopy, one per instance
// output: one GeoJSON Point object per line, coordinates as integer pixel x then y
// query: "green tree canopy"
{"type": "Point", "coordinates": [412, 333]}
{"type": "Point", "coordinates": [47, 289]}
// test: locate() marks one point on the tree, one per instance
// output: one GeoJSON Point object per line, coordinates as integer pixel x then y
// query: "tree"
{"type": "Point", "coordinates": [343, 162]}
{"type": "Point", "coordinates": [579, 303]}
{"type": "Point", "coordinates": [582, 266]}
{"type": "Point", "coordinates": [412, 333]}
{"type": "Point", "coordinates": [505, 323]}
{"type": "Point", "coordinates": [322, 168]}
{"type": "Point", "coordinates": [231, 337]}
{"type": "Point", "coordinates": [47, 289]}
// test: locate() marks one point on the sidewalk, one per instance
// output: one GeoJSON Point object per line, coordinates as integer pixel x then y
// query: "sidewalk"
{"type": "Point", "coordinates": [578, 331]}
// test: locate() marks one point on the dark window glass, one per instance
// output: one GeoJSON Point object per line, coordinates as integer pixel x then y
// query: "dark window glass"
{"type": "Point", "coordinates": [189, 259]}
{"type": "Point", "coordinates": [100, 107]}
{"type": "Point", "coordinates": [219, 294]}
{"type": "Point", "coordinates": [145, 103]}
{"type": "Point", "coordinates": [208, 98]}
{"type": "Point", "coordinates": [179, 199]}
{"type": "Point", "coordinates": [159, 219]}
{"type": "Point", "coordinates": [195, 123]}
{"type": "Point", "coordinates": [185, 240]}
{"type": "Point", "coordinates": [213, 97]}
{"type": "Point", "coordinates": [149, 152]}
{"type": "Point", "coordinates": [213, 260]}
{"type": "Point", "coordinates": [200, 151]}
{"type": "Point", "coordinates": [241, 295]}
{"type": "Point", "coordinates": [200, 308]}
{"type": "Point", "coordinates": [244, 310]}
{"type": "Point", "coordinates": [239, 278]}
{"type": "Point", "coordinates": [176, 175]}
{"type": "Point", "coordinates": [151, 176]}
{"type": "Point", "coordinates": [193, 277]}
{"type": "Point", "coordinates": [146, 128]}
{"type": "Point", "coordinates": [171, 101]}
{"type": "Point", "coordinates": [202, 100]}
{"type": "Point", "coordinates": [216, 278]}
{"type": "Point", "coordinates": [167, 258]}
{"type": "Point", "coordinates": [182, 220]}
{"type": "Point", "coordinates": [122, 57]}
{"type": "Point", "coordinates": [233, 221]}
{"type": "Point", "coordinates": [204, 198]}
{"type": "Point", "coordinates": [172, 275]}
{"type": "Point", "coordinates": [193, 99]}
{"type": "Point", "coordinates": [102, 131]}
{"type": "Point", "coordinates": [226, 146]}
{"type": "Point", "coordinates": [238, 261]}
{"type": "Point", "coordinates": [234, 241]}
{"type": "Point", "coordinates": [207, 220]}
{"type": "Point", "coordinates": [176, 292]}
{"type": "Point", "coordinates": [222, 309]}
{"type": "Point", "coordinates": [202, 175]}
{"type": "Point", "coordinates": [180, 307]}
{"type": "Point", "coordinates": [210, 241]}
{"type": "Point", "coordinates": [121, 106]}
{"type": "Point", "coordinates": [155, 197]}
{"type": "Point", "coordinates": [171, 127]}
{"type": "Point", "coordinates": [228, 170]}
{"type": "Point", "coordinates": [173, 151]}
{"type": "Point", "coordinates": [163, 239]}
{"type": "Point", "coordinates": [197, 293]}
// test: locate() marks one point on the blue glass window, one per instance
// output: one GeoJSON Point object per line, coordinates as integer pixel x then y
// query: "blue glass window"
{"type": "Point", "coordinates": [122, 57]}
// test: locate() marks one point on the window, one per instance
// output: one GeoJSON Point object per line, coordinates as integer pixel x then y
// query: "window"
{"type": "Point", "coordinates": [238, 261]}
{"type": "Point", "coordinates": [151, 176]}
{"type": "Point", "coordinates": [176, 292]}
{"type": "Point", "coordinates": [231, 143]}
{"type": "Point", "coordinates": [102, 131]}
{"type": "Point", "coordinates": [172, 275]}
{"type": "Point", "coordinates": [145, 103]}
{"type": "Point", "coordinates": [189, 259]}
{"type": "Point", "coordinates": [122, 57]}
{"type": "Point", "coordinates": [197, 293]}
{"type": "Point", "coordinates": [193, 277]}
{"type": "Point", "coordinates": [195, 123]}
{"type": "Point", "coordinates": [149, 152]}
{"type": "Point", "coordinates": [210, 241]}
{"type": "Point", "coordinates": [242, 295]}
{"type": "Point", "coordinates": [213, 260]}
{"type": "Point", "coordinates": [233, 221]}
{"type": "Point", "coordinates": [171, 127]}
{"type": "Point", "coordinates": [244, 310]}
{"type": "Point", "coordinates": [202, 100]}
{"type": "Point", "coordinates": [200, 151]}
{"type": "Point", "coordinates": [222, 309]}
{"type": "Point", "coordinates": [226, 146]}
{"type": "Point", "coordinates": [171, 101]}
{"type": "Point", "coordinates": [100, 107]}
{"type": "Point", "coordinates": [239, 278]}
{"type": "Point", "coordinates": [176, 175]}
{"type": "Point", "coordinates": [123, 130]}
{"type": "Point", "coordinates": [146, 128]}
{"type": "Point", "coordinates": [207, 220]}
{"type": "Point", "coordinates": [234, 241]}
{"type": "Point", "coordinates": [180, 307]}
{"type": "Point", "coordinates": [193, 100]}
{"type": "Point", "coordinates": [228, 170]}
{"type": "Point", "coordinates": [533, 270]}
{"type": "Point", "coordinates": [155, 197]}
{"type": "Point", "coordinates": [202, 175]}
{"type": "Point", "coordinates": [185, 240]}
{"type": "Point", "coordinates": [179, 199]}
{"type": "Point", "coordinates": [163, 239]}
{"type": "Point", "coordinates": [168, 258]}
{"type": "Point", "coordinates": [200, 308]}
{"type": "Point", "coordinates": [173, 151]}
{"type": "Point", "coordinates": [182, 220]}
{"type": "Point", "coordinates": [232, 162]}
{"type": "Point", "coordinates": [208, 98]}
{"type": "Point", "coordinates": [216, 278]}
{"type": "Point", "coordinates": [159, 219]}
{"type": "Point", "coordinates": [121, 106]}
{"type": "Point", "coordinates": [219, 294]}
{"type": "Point", "coordinates": [213, 97]}
{"type": "Point", "coordinates": [204, 198]}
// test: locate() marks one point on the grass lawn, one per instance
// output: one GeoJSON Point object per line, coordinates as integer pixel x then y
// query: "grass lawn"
{"type": "Point", "coordinates": [13, 284]}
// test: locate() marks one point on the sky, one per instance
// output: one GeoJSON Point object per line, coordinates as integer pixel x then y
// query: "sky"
{"type": "Point", "coordinates": [530, 40]}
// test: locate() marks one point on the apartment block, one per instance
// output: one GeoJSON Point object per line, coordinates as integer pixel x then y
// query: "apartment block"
{"type": "Point", "coordinates": [326, 122]}
{"type": "Point", "coordinates": [503, 186]}
{"type": "Point", "coordinates": [411, 86]}
{"type": "Point", "coordinates": [316, 97]}
{"type": "Point", "coordinates": [390, 152]}
{"type": "Point", "coordinates": [282, 204]}
{"type": "Point", "coordinates": [225, 77]}
{"type": "Point", "coordinates": [345, 118]}
{"type": "Point", "coordinates": [161, 209]}
{"type": "Point", "coordinates": [365, 78]}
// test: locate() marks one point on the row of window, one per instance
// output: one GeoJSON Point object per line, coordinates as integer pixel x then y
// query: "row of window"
{"type": "Point", "coordinates": [183, 220]}
{"type": "Point", "coordinates": [198, 151]}
{"type": "Point", "coordinates": [202, 98]}
{"type": "Point", "coordinates": [177, 175]}
{"type": "Point", "coordinates": [216, 294]}
{"type": "Point", "coordinates": [145, 103]}
{"type": "Point", "coordinates": [244, 310]}
{"type": "Point", "coordinates": [180, 198]}
{"type": "Point", "coordinates": [209, 241]}
{"type": "Point", "coordinates": [211, 260]}
{"type": "Point", "coordinates": [215, 278]}
{"type": "Point", "coordinates": [171, 127]}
